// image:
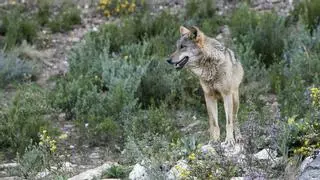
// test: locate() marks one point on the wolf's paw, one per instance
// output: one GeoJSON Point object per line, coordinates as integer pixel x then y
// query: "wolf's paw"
{"type": "Point", "coordinates": [238, 138]}
{"type": "Point", "coordinates": [229, 142]}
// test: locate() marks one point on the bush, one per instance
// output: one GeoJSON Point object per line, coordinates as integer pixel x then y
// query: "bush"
{"type": "Point", "coordinates": [249, 26]}
{"type": "Point", "coordinates": [65, 19]}
{"type": "Point", "coordinates": [195, 9]}
{"type": "Point", "coordinates": [24, 118]}
{"type": "Point", "coordinates": [13, 69]}
{"type": "Point", "coordinates": [157, 121]}
{"type": "Point", "coordinates": [44, 12]}
{"type": "Point", "coordinates": [243, 21]}
{"type": "Point", "coordinates": [115, 171]}
{"type": "Point", "coordinates": [18, 27]}
{"type": "Point", "coordinates": [309, 11]}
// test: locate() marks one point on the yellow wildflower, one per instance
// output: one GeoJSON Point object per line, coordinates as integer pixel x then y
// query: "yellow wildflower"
{"type": "Point", "coordinates": [192, 156]}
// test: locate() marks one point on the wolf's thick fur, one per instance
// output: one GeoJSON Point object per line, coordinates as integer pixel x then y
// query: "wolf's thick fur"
{"type": "Point", "coordinates": [220, 75]}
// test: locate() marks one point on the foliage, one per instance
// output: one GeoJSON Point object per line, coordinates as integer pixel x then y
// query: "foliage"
{"type": "Point", "coordinates": [13, 69]}
{"type": "Point", "coordinates": [40, 157]}
{"type": "Point", "coordinates": [65, 19]}
{"type": "Point", "coordinates": [156, 121]}
{"type": "Point", "coordinates": [24, 118]}
{"type": "Point", "coordinates": [205, 9]}
{"type": "Point", "coordinates": [309, 11]}
{"type": "Point", "coordinates": [18, 27]}
{"type": "Point", "coordinates": [243, 22]}
{"type": "Point", "coordinates": [115, 171]}
{"type": "Point", "coordinates": [249, 26]}
{"type": "Point", "coordinates": [44, 12]}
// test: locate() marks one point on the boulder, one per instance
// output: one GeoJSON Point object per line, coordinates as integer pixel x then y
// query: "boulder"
{"type": "Point", "coordinates": [138, 173]}
{"type": "Point", "coordinates": [178, 170]}
{"type": "Point", "coordinates": [265, 154]}
{"type": "Point", "coordinates": [93, 173]}
{"type": "Point", "coordinates": [310, 168]}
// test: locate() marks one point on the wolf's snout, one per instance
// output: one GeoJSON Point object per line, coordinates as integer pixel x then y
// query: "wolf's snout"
{"type": "Point", "coordinates": [170, 61]}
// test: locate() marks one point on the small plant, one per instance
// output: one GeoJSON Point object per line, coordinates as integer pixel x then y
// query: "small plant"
{"type": "Point", "coordinates": [315, 97]}
{"type": "Point", "coordinates": [39, 157]}
{"type": "Point", "coordinates": [115, 171]}
{"type": "Point", "coordinates": [13, 69]}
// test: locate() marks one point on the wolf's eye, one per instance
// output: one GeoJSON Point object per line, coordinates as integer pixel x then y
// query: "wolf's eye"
{"type": "Point", "coordinates": [182, 46]}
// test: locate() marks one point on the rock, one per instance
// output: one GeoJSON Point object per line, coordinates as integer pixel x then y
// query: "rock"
{"type": "Point", "coordinates": [138, 173]}
{"type": "Point", "coordinates": [208, 151]}
{"type": "Point", "coordinates": [234, 151]}
{"type": "Point", "coordinates": [43, 174]}
{"type": "Point", "coordinates": [265, 154]}
{"type": "Point", "coordinates": [237, 178]}
{"type": "Point", "coordinates": [305, 163]}
{"type": "Point", "coordinates": [191, 126]}
{"type": "Point", "coordinates": [8, 165]}
{"type": "Point", "coordinates": [177, 171]}
{"type": "Point", "coordinates": [310, 168]}
{"type": "Point", "coordinates": [93, 173]}
{"type": "Point", "coordinates": [10, 178]}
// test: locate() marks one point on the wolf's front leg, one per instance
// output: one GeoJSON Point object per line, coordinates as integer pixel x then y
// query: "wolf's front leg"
{"type": "Point", "coordinates": [212, 108]}
{"type": "Point", "coordinates": [228, 107]}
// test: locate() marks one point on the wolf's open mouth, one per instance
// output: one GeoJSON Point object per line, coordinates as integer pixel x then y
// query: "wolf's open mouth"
{"type": "Point", "coordinates": [180, 64]}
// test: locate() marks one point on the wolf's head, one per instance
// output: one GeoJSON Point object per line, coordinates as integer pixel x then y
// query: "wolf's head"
{"type": "Point", "coordinates": [189, 46]}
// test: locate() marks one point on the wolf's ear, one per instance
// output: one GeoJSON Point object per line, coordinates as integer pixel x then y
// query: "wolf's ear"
{"type": "Point", "coordinates": [197, 36]}
{"type": "Point", "coordinates": [184, 30]}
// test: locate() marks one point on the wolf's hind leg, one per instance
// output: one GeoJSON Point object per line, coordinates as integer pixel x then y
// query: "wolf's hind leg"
{"type": "Point", "coordinates": [212, 108]}
{"type": "Point", "coordinates": [237, 133]}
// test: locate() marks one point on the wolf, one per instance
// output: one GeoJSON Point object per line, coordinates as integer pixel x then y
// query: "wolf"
{"type": "Point", "coordinates": [220, 75]}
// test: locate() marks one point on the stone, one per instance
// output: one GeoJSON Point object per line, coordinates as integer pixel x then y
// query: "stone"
{"type": "Point", "coordinates": [237, 178]}
{"type": "Point", "coordinates": [305, 163]}
{"type": "Point", "coordinates": [191, 126]}
{"type": "Point", "coordinates": [177, 170]}
{"type": "Point", "coordinates": [310, 168]}
{"type": "Point", "coordinates": [232, 151]}
{"type": "Point", "coordinates": [8, 165]}
{"type": "Point", "coordinates": [93, 173]}
{"type": "Point", "coordinates": [138, 173]}
{"type": "Point", "coordinates": [265, 154]}
{"type": "Point", "coordinates": [208, 151]}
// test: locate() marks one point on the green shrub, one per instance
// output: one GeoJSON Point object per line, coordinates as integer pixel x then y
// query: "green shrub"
{"type": "Point", "coordinates": [115, 171]}
{"type": "Point", "coordinates": [195, 9]}
{"type": "Point", "coordinates": [309, 11]}
{"type": "Point", "coordinates": [157, 121]}
{"type": "Point", "coordinates": [24, 118]}
{"type": "Point", "coordinates": [18, 27]}
{"type": "Point", "coordinates": [247, 25]}
{"type": "Point", "coordinates": [142, 27]}
{"type": "Point", "coordinates": [270, 27]}
{"type": "Point", "coordinates": [44, 12]}
{"type": "Point", "coordinates": [243, 21]}
{"type": "Point", "coordinates": [65, 19]}
{"type": "Point", "coordinates": [100, 92]}
{"type": "Point", "coordinates": [13, 69]}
